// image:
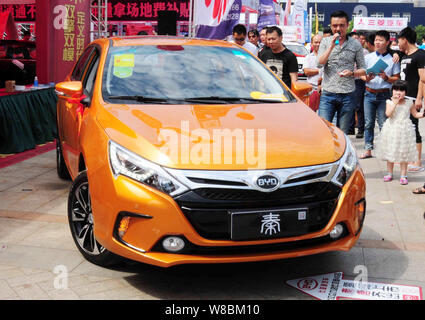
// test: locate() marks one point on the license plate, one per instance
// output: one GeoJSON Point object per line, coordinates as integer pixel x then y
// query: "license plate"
{"type": "Point", "coordinates": [268, 224]}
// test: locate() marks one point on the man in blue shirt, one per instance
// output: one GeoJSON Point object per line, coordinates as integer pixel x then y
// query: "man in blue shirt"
{"type": "Point", "coordinates": [378, 88]}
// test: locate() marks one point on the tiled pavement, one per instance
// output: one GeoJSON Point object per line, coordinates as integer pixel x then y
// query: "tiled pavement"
{"type": "Point", "coordinates": [38, 259]}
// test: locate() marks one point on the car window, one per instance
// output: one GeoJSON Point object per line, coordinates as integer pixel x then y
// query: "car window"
{"type": "Point", "coordinates": [91, 73]}
{"type": "Point", "coordinates": [297, 49]}
{"type": "Point", "coordinates": [78, 72]}
{"type": "Point", "coordinates": [182, 72]}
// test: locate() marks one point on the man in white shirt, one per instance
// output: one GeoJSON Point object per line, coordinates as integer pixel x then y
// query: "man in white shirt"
{"type": "Point", "coordinates": [313, 72]}
{"type": "Point", "coordinates": [311, 69]}
{"type": "Point", "coordinates": [378, 88]}
{"type": "Point", "coordinates": [239, 37]}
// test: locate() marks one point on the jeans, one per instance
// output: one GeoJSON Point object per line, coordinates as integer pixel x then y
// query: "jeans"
{"type": "Point", "coordinates": [374, 109]}
{"type": "Point", "coordinates": [330, 103]}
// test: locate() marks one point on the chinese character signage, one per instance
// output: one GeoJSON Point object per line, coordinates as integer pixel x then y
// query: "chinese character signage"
{"type": "Point", "coordinates": [372, 23]}
{"type": "Point", "coordinates": [298, 19]}
{"type": "Point", "coordinates": [143, 10]}
{"type": "Point", "coordinates": [333, 286]}
{"type": "Point", "coordinates": [76, 24]}
{"type": "Point", "coordinates": [63, 31]}
{"type": "Point", "coordinates": [118, 10]}
{"type": "Point", "coordinates": [75, 30]}
{"type": "Point", "coordinates": [20, 12]}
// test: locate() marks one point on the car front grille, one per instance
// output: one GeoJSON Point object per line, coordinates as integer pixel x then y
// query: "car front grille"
{"type": "Point", "coordinates": [209, 209]}
{"type": "Point", "coordinates": [282, 195]}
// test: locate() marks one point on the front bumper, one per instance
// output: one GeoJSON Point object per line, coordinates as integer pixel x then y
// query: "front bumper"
{"type": "Point", "coordinates": [154, 215]}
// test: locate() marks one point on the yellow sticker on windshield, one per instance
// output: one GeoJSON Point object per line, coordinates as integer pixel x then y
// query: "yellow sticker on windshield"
{"type": "Point", "coordinates": [123, 72]}
{"type": "Point", "coordinates": [124, 60]}
{"type": "Point", "coordinates": [270, 96]}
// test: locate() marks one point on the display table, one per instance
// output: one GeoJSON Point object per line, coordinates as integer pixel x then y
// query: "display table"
{"type": "Point", "coordinates": [27, 119]}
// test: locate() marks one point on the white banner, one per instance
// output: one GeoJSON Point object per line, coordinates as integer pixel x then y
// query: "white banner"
{"type": "Point", "coordinates": [211, 12]}
{"type": "Point", "coordinates": [298, 19]}
{"type": "Point", "coordinates": [287, 13]}
{"type": "Point", "coordinates": [372, 23]}
{"type": "Point", "coordinates": [289, 33]}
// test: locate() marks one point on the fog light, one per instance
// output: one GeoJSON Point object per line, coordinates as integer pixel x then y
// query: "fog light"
{"type": "Point", "coordinates": [337, 231]}
{"type": "Point", "coordinates": [173, 244]}
{"type": "Point", "coordinates": [124, 223]}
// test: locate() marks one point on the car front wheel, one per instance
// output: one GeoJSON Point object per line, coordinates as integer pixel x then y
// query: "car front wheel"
{"type": "Point", "coordinates": [81, 223]}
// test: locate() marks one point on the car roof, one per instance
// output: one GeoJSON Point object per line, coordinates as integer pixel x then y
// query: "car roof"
{"type": "Point", "coordinates": [166, 40]}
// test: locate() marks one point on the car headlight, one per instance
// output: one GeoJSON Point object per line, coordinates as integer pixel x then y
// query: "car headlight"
{"type": "Point", "coordinates": [126, 163]}
{"type": "Point", "coordinates": [348, 164]}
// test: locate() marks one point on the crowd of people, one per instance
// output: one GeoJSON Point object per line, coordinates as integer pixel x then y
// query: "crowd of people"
{"type": "Point", "coordinates": [349, 91]}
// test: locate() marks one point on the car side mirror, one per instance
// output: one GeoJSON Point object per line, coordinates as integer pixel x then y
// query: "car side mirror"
{"type": "Point", "coordinates": [301, 89]}
{"type": "Point", "coordinates": [69, 88]}
{"type": "Point", "coordinates": [72, 91]}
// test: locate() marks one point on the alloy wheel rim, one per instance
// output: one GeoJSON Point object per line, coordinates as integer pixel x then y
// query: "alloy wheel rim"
{"type": "Point", "coordinates": [82, 221]}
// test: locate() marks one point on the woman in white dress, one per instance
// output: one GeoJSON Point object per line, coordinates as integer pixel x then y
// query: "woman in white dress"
{"type": "Point", "coordinates": [397, 141]}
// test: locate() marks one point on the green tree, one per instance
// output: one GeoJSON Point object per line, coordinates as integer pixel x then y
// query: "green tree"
{"type": "Point", "coordinates": [313, 27]}
{"type": "Point", "coordinates": [420, 32]}
{"type": "Point", "coordinates": [350, 26]}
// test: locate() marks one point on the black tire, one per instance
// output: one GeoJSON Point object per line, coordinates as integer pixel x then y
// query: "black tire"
{"type": "Point", "coordinates": [61, 168]}
{"type": "Point", "coordinates": [81, 223]}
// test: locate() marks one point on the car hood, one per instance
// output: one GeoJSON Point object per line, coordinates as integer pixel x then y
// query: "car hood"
{"type": "Point", "coordinates": [224, 137]}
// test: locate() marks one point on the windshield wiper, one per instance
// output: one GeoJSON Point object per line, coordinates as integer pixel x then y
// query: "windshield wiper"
{"type": "Point", "coordinates": [207, 99]}
{"type": "Point", "coordinates": [139, 98]}
{"type": "Point", "coordinates": [231, 99]}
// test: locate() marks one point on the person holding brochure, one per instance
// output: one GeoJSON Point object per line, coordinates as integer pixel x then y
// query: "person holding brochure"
{"type": "Point", "coordinates": [381, 73]}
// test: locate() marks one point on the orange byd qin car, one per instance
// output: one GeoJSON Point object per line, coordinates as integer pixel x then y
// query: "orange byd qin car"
{"type": "Point", "coordinates": [193, 151]}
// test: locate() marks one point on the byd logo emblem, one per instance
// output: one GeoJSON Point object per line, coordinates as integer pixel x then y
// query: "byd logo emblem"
{"type": "Point", "coordinates": [267, 183]}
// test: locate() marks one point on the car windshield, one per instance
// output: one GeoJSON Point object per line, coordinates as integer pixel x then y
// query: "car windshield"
{"type": "Point", "coordinates": [297, 49]}
{"type": "Point", "coordinates": [188, 74]}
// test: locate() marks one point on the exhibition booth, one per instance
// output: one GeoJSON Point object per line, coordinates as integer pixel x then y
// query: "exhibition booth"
{"type": "Point", "coordinates": [30, 68]}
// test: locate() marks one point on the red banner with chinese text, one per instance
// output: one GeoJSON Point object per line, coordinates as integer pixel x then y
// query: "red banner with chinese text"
{"type": "Point", "coordinates": [118, 10]}
{"type": "Point", "coordinates": [63, 31]}
{"type": "Point", "coordinates": [144, 10]}
{"type": "Point", "coordinates": [20, 12]}
{"type": "Point", "coordinates": [76, 31]}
